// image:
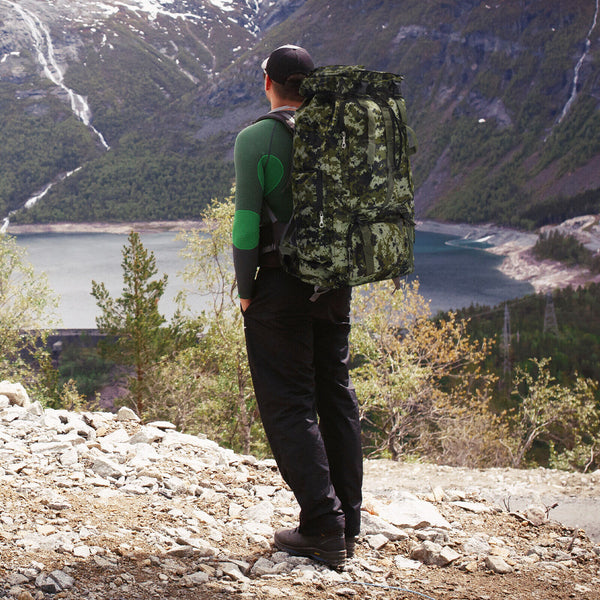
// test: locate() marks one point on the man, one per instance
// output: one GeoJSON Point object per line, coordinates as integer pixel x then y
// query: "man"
{"type": "Point", "coordinates": [297, 348]}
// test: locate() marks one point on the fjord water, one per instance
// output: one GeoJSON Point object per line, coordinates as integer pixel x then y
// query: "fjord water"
{"type": "Point", "coordinates": [451, 274]}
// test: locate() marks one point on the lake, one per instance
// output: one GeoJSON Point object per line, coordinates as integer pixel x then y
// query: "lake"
{"type": "Point", "coordinates": [451, 275]}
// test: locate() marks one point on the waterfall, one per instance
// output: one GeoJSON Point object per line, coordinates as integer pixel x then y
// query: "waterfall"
{"type": "Point", "coordinates": [35, 198]}
{"type": "Point", "coordinates": [578, 66]}
{"type": "Point", "coordinates": [44, 48]}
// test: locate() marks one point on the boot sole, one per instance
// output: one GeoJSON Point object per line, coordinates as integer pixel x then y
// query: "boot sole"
{"type": "Point", "coordinates": [334, 558]}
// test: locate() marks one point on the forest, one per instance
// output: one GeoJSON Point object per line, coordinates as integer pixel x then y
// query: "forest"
{"type": "Point", "coordinates": [563, 325]}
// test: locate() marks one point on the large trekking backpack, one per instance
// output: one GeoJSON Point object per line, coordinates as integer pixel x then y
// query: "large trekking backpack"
{"type": "Point", "coordinates": [353, 211]}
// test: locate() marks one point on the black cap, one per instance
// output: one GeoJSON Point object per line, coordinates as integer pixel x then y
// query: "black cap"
{"type": "Point", "coordinates": [287, 60]}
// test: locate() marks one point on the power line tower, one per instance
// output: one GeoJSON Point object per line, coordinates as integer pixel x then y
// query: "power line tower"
{"type": "Point", "coordinates": [506, 340]}
{"type": "Point", "coordinates": [550, 322]}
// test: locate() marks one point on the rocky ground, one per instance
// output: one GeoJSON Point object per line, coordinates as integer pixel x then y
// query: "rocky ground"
{"type": "Point", "coordinates": [98, 506]}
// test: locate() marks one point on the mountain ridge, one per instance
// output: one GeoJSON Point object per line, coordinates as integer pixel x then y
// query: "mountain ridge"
{"type": "Point", "coordinates": [505, 100]}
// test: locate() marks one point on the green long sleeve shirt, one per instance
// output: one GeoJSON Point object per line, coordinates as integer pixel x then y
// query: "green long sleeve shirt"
{"type": "Point", "coordinates": [262, 158]}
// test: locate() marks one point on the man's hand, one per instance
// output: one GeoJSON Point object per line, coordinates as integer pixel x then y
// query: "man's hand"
{"type": "Point", "coordinates": [245, 303]}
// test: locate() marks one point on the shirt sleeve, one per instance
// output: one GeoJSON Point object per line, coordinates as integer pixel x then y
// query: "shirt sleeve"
{"type": "Point", "coordinates": [248, 204]}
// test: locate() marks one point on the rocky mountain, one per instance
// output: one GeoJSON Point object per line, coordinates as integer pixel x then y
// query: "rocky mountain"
{"type": "Point", "coordinates": [99, 506]}
{"type": "Point", "coordinates": [127, 109]}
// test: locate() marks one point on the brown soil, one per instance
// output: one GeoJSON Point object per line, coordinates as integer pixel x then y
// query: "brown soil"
{"type": "Point", "coordinates": [121, 525]}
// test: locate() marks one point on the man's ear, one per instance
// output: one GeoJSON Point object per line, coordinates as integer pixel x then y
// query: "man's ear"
{"type": "Point", "coordinates": [268, 83]}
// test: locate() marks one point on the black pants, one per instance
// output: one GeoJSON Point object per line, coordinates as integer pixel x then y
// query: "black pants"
{"type": "Point", "coordinates": [298, 355]}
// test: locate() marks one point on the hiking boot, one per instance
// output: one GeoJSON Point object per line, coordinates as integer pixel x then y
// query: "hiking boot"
{"type": "Point", "coordinates": [350, 543]}
{"type": "Point", "coordinates": [329, 548]}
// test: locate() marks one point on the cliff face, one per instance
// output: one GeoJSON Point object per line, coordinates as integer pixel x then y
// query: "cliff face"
{"type": "Point", "coordinates": [505, 100]}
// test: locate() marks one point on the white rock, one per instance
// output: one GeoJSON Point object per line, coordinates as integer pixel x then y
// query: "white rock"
{"type": "Point", "coordinates": [374, 525]}
{"type": "Point", "coordinates": [434, 554]}
{"type": "Point", "coordinates": [82, 551]}
{"type": "Point", "coordinates": [54, 582]}
{"type": "Point", "coordinates": [261, 512]}
{"type": "Point", "coordinates": [97, 419]}
{"type": "Point", "coordinates": [203, 547]}
{"type": "Point", "coordinates": [107, 468]}
{"type": "Point", "coordinates": [233, 571]}
{"type": "Point", "coordinates": [69, 457]}
{"type": "Point", "coordinates": [162, 425]}
{"type": "Point", "coordinates": [145, 452]}
{"type": "Point", "coordinates": [147, 435]}
{"type": "Point", "coordinates": [126, 414]}
{"type": "Point", "coordinates": [35, 408]}
{"type": "Point", "coordinates": [377, 541]}
{"type": "Point", "coordinates": [15, 393]}
{"type": "Point", "coordinates": [476, 545]}
{"type": "Point", "coordinates": [12, 414]}
{"type": "Point", "coordinates": [17, 579]}
{"type": "Point", "coordinates": [176, 438]}
{"type": "Point", "coordinates": [448, 555]}
{"type": "Point", "coordinates": [255, 528]}
{"type": "Point", "coordinates": [498, 564]}
{"type": "Point", "coordinates": [205, 518]}
{"type": "Point", "coordinates": [406, 563]}
{"type": "Point", "coordinates": [265, 491]}
{"type": "Point", "coordinates": [537, 514]}
{"type": "Point", "coordinates": [118, 436]}
{"type": "Point", "coordinates": [476, 507]}
{"type": "Point", "coordinates": [413, 513]}
{"type": "Point", "coordinates": [263, 566]}
{"type": "Point", "coordinates": [50, 420]}
{"type": "Point", "coordinates": [197, 578]}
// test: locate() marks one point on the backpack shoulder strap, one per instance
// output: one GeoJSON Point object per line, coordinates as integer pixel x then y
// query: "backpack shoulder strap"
{"type": "Point", "coordinates": [287, 117]}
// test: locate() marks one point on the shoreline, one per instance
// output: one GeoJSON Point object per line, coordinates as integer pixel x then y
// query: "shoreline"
{"type": "Point", "coordinates": [515, 247]}
{"type": "Point", "coordinates": [104, 227]}
{"type": "Point", "coordinates": [512, 244]}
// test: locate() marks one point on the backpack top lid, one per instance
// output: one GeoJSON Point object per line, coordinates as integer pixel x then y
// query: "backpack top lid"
{"type": "Point", "coordinates": [351, 80]}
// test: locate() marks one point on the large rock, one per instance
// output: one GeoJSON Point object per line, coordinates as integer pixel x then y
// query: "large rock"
{"type": "Point", "coordinates": [413, 513]}
{"type": "Point", "coordinates": [15, 393]}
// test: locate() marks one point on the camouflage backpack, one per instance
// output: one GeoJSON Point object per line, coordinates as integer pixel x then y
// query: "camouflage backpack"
{"type": "Point", "coordinates": [353, 213]}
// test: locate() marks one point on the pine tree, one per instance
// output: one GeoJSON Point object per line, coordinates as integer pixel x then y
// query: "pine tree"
{"type": "Point", "coordinates": [133, 322]}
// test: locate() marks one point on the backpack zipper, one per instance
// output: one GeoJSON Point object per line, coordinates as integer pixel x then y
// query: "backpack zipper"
{"type": "Point", "coordinates": [320, 205]}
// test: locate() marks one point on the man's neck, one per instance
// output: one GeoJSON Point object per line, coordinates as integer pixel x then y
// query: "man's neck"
{"type": "Point", "coordinates": [281, 104]}
{"type": "Point", "coordinates": [284, 107]}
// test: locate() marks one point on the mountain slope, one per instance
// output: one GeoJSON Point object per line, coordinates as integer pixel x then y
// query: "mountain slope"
{"type": "Point", "coordinates": [505, 100]}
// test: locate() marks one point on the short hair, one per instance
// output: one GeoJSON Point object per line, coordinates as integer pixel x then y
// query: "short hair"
{"type": "Point", "coordinates": [290, 90]}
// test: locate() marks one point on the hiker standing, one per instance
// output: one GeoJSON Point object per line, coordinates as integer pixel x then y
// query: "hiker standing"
{"type": "Point", "coordinates": [297, 347]}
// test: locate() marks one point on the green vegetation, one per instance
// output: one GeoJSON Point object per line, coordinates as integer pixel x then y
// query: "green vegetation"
{"type": "Point", "coordinates": [573, 346]}
{"type": "Point", "coordinates": [132, 322]}
{"type": "Point", "coordinates": [143, 103]}
{"type": "Point", "coordinates": [81, 363]}
{"type": "Point", "coordinates": [26, 310]}
{"type": "Point", "coordinates": [485, 88]}
{"type": "Point", "coordinates": [39, 140]}
{"type": "Point", "coordinates": [566, 249]}
{"type": "Point", "coordinates": [559, 209]}
{"type": "Point", "coordinates": [136, 182]}
{"type": "Point", "coordinates": [438, 389]}
{"type": "Point", "coordinates": [429, 387]}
